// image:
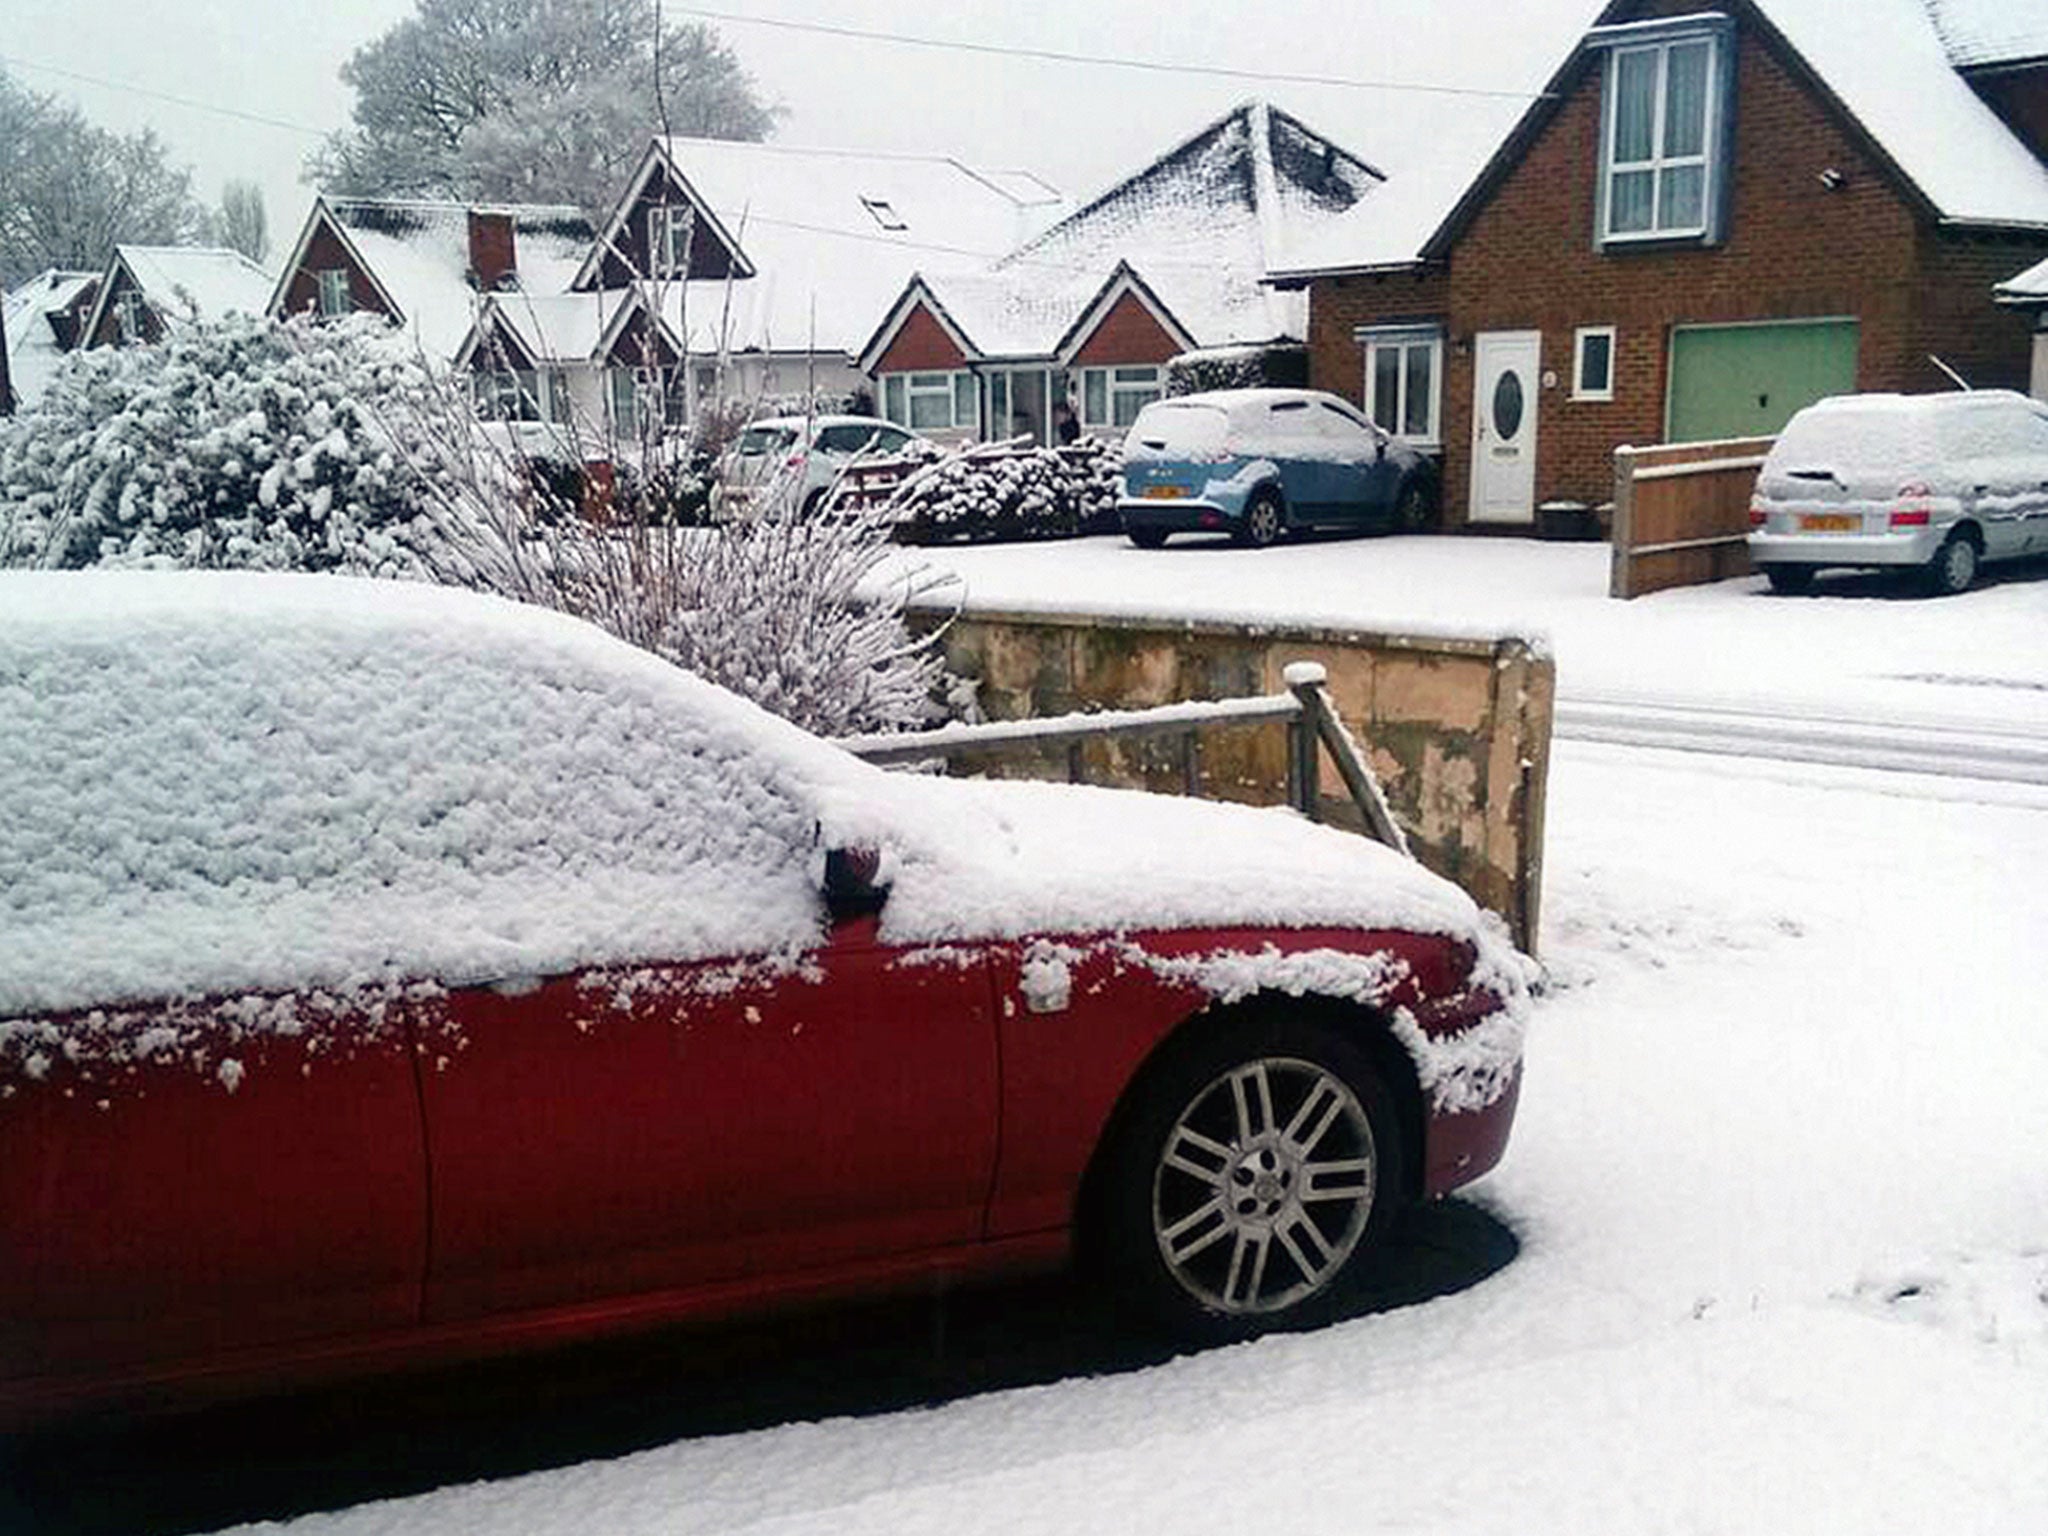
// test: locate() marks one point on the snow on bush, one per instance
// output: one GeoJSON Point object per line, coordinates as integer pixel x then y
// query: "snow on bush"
{"type": "Point", "coordinates": [1282, 365]}
{"type": "Point", "coordinates": [1010, 491]}
{"type": "Point", "coordinates": [333, 448]}
{"type": "Point", "coordinates": [243, 444]}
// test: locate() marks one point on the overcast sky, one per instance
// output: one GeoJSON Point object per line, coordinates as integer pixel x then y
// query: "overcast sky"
{"type": "Point", "coordinates": [1077, 125]}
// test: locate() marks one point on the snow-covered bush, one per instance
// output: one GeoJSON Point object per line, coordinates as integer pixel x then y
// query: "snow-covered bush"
{"type": "Point", "coordinates": [1281, 365]}
{"type": "Point", "coordinates": [243, 444]}
{"type": "Point", "coordinates": [1009, 491]}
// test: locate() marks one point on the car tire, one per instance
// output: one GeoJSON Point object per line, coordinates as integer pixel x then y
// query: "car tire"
{"type": "Point", "coordinates": [1202, 1224]}
{"type": "Point", "coordinates": [1789, 579]}
{"type": "Point", "coordinates": [1414, 508]}
{"type": "Point", "coordinates": [1954, 566]}
{"type": "Point", "coordinates": [1264, 520]}
{"type": "Point", "coordinates": [1147, 538]}
{"type": "Point", "coordinates": [814, 503]}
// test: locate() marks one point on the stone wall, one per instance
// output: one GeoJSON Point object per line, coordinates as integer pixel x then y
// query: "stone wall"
{"type": "Point", "coordinates": [1458, 730]}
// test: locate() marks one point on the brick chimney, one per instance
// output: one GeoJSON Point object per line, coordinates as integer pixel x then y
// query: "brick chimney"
{"type": "Point", "coordinates": [493, 260]}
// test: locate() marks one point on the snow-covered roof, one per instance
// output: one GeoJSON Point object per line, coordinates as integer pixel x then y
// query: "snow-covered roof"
{"type": "Point", "coordinates": [833, 235]}
{"type": "Point", "coordinates": [1890, 71]}
{"type": "Point", "coordinates": [418, 252]}
{"type": "Point", "coordinates": [2029, 288]}
{"type": "Point", "coordinates": [1981, 34]}
{"type": "Point", "coordinates": [1199, 229]}
{"type": "Point", "coordinates": [196, 282]}
{"type": "Point", "coordinates": [34, 348]}
{"type": "Point", "coordinates": [560, 327]}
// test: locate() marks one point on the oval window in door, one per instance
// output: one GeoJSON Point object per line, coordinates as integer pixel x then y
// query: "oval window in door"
{"type": "Point", "coordinates": [1507, 403]}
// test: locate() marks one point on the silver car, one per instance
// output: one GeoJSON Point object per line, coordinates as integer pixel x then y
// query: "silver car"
{"type": "Point", "coordinates": [1933, 483]}
{"type": "Point", "coordinates": [800, 458]}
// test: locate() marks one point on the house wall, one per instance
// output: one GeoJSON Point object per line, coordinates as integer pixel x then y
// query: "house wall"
{"type": "Point", "coordinates": [920, 346]}
{"type": "Point", "coordinates": [324, 253]}
{"type": "Point", "coordinates": [6, 383]}
{"type": "Point", "coordinates": [2020, 97]}
{"type": "Point", "coordinates": [1795, 249]}
{"type": "Point", "coordinates": [1127, 336]}
{"type": "Point", "coordinates": [1338, 306]}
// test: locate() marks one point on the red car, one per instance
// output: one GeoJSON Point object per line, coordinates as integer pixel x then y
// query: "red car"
{"type": "Point", "coordinates": [390, 974]}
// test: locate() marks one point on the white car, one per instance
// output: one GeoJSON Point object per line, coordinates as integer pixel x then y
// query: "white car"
{"type": "Point", "coordinates": [1935, 483]}
{"type": "Point", "coordinates": [801, 458]}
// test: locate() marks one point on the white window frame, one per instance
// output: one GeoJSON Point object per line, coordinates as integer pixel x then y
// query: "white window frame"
{"type": "Point", "coordinates": [1134, 386]}
{"type": "Point", "coordinates": [333, 296]}
{"type": "Point", "coordinates": [1373, 340]}
{"type": "Point", "coordinates": [1579, 339]}
{"type": "Point", "coordinates": [664, 223]}
{"type": "Point", "coordinates": [902, 392]}
{"type": "Point", "coordinates": [1659, 164]}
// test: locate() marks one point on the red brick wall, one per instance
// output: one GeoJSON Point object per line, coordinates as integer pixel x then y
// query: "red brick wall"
{"type": "Point", "coordinates": [1956, 320]}
{"type": "Point", "coordinates": [493, 252]}
{"type": "Point", "coordinates": [323, 253]}
{"type": "Point", "coordinates": [1794, 249]}
{"type": "Point", "coordinates": [1128, 336]}
{"type": "Point", "coordinates": [922, 345]}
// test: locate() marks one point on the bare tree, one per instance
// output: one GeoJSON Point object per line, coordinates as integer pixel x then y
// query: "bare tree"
{"type": "Point", "coordinates": [242, 224]}
{"type": "Point", "coordinates": [530, 99]}
{"type": "Point", "coordinates": [70, 190]}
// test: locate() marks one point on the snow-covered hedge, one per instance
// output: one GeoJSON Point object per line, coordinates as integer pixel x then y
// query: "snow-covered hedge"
{"type": "Point", "coordinates": [1282, 365]}
{"type": "Point", "coordinates": [1011, 491]}
{"type": "Point", "coordinates": [244, 444]}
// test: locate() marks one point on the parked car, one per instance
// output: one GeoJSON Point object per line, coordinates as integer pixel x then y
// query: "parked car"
{"type": "Point", "coordinates": [800, 457]}
{"type": "Point", "coordinates": [1939, 484]}
{"type": "Point", "coordinates": [1258, 462]}
{"type": "Point", "coordinates": [392, 974]}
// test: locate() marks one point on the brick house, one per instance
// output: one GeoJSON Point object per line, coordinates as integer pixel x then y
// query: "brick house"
{"type": "Point", "coordinates": [1169, 260]}
{"type": "Point", "coordinates": [148, 289]}
{"type": "Point", "coordinates": [1709, 219]}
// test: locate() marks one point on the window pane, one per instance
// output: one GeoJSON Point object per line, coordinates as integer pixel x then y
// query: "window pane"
{"type": "Point", "coordinates": [966, 395]}
{"type": "Point", "coordinates": [1415, 420]}
{"type": "Point", "coordinates": [1685, 100]}
{"type": "Point", "coordinates": [1131, 401]}
{"type": "Point", "coordinates": [892, 398]}
{"type": "Point", "coordinates": [1137, 375]}
{"type": "Point", "coordinates": [998, 400]}
{"type": "Point", "coordinates": [1386, 388]}
{"type": "Point", "coordinates": [1635, 105]}
{"type": "Point", "coordinates": [1629, 201]}
{"type": "Point", "coordinates": [1682, 198]}
{"type": "Point", "coordinates": [929, 381]}
{"type": "Point", "coordinates": [1095, 397]}
{"type": "Point", "coordinates": [1596, 362]}
{"type": "Point", "coordinates": [931, 411]}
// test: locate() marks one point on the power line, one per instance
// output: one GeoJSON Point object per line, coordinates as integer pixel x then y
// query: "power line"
{"type": "Point", "coordinates": [181, 101]}
{"type": "Point", "coordinates": [1106, 61]}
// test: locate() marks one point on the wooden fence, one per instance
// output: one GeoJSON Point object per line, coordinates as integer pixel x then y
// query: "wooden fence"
{"type": "Point", "coordinates": [1681, 514]}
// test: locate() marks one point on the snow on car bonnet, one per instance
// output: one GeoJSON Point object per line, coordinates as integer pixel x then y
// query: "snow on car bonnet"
{"type": "Point", "coordinates": [220, 782]}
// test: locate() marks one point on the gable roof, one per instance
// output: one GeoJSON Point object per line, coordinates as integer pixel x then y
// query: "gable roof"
{"type": "Point", "coordinates": [1889, 75]}
{"type": "Point", "coordinates": [181, 282]}
{"type": "Point", "coordinates": [827, 237]}
{"type": "Point", "coordinates": [416, 254]}
{"type": "Point", "coordinates": [1990, 34]}
{"type": "Point", "coordinates": [1193, 233]}
{"type": "Point", "coordinates": [552, 329]}
{"type": "Point", "coordinates": [34, 348]}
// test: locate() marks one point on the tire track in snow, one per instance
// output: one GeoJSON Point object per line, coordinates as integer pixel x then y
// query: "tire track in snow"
{"type": "Point", "coordinates": [2006, 752]}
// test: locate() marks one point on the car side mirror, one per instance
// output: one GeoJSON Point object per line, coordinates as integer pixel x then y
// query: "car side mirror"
{"type": "Point", "coordinates": [1379, 448]}
{"type": "Point", "coordinates": [853, 884]}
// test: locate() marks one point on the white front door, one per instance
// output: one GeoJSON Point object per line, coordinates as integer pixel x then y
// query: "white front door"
{"type": "Point", "coordinates": [1505, 382]}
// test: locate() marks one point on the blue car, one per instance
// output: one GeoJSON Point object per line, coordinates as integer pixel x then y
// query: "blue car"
{"type": "Point", "coordinates": [1255, 463]}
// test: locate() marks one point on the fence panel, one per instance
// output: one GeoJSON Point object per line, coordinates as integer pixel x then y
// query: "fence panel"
{"type": "Point", "coordinates": [1681, 514]}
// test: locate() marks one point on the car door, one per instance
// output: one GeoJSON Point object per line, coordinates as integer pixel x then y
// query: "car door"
{"type": "Point", "coordinates": [1364, 477]}
{"type": "Point", "coordinates": [1291, 441]}
{"type": "Point", "coordinates": [602, 1136]}
{"type": "Point", "coordinates": [177, 1185]}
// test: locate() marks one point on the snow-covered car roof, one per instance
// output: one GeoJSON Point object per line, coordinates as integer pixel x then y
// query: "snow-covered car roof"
{"type": "Point", "coordinates": [1241, 401]}
{"type": "Point", "coordinates": [797, 423]}
{"type": "Point", "coordinates": [235, 782]}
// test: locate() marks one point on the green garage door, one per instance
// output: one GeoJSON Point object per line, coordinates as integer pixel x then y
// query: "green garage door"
{"type": "Point", "coordinates": [1747, 380]}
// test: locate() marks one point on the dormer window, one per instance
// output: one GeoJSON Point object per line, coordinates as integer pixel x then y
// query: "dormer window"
{"type": "Point", "coordinates": [334, 297]}
{"type": "Point", "coordinates": [883, 214]}
{"type": "Point", "coordinates": [1663, 130]}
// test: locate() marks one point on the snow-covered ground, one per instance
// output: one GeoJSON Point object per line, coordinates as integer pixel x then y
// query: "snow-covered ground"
{"type": "Point", "coordinates": [1780, 1177]}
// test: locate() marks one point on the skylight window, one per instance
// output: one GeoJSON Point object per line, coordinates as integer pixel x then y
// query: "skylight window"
{"type": "Point", "coordinates": [883, 214]}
